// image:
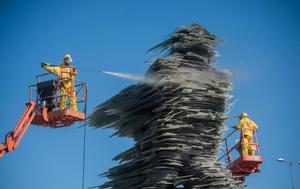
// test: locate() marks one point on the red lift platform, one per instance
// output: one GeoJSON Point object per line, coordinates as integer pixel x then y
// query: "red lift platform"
{"type": "Point", "coordinates": [241, 166]}
{"type": "Point", "coordinates": [43, 110]}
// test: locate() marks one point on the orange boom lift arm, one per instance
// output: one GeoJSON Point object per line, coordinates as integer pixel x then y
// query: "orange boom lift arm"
{"type": "Point", "coordinates": [13, 138]}
{"type": "Point", "coordinates": [44, 110]}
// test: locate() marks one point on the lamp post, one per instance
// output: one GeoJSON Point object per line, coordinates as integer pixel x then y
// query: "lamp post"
{"type": "Point", "coordinates": [291, 163]}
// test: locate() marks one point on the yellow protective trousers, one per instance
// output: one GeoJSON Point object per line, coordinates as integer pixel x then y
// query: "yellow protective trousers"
{"type": "Point", "coordinates": [246, 146]}
{"type": "Point", "coordinates": [65, 93]}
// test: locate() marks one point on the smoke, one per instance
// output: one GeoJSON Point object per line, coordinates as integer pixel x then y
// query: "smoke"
{"type": "Point", "coordinates": [240, 74]}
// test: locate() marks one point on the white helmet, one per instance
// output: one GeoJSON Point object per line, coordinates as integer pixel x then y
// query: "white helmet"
{"type": "Point", "coordinates": [244, 114]}
{"type": "Point", "coordinates": [68, 57]}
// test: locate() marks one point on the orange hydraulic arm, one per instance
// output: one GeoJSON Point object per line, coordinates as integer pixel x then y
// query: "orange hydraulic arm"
{"type": "Point", "coordinates": [13, 138]}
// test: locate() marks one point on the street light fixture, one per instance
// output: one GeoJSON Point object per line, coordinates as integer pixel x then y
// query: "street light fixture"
{"type": "Point", "coordinates": [281, 160]}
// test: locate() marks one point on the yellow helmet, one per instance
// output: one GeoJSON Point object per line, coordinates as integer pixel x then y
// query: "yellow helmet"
{"type": "Point", "coordinates": [68, 57]}
{"type": "Point", "coordinates": [244, 114]}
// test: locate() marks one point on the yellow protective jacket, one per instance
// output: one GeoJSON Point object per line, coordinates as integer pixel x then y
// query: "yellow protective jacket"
{"type": "Point", "coordinates": [66, 74]}
{"type": "Point", "coordinates": [247, 125]}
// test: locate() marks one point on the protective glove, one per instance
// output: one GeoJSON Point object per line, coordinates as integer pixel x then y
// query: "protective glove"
{"type": "Point", "coordinates": [43, 64]}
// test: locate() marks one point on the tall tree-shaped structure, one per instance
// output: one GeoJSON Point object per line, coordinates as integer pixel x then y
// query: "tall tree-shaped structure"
{"type": "Point", "coordinates": [176, 117]}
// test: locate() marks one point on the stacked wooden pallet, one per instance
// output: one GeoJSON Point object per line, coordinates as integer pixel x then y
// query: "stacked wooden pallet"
{"type": "Point", "coordinates": [176, 119]}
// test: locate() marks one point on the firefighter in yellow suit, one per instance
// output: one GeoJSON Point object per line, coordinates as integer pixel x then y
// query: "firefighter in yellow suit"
{"type": "Point", "coordinates": [66, 75]}
{"type": "Point", "coordinates": [248, 127]}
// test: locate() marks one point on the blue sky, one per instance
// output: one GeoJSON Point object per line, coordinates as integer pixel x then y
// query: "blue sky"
{"type": "Point", "coordinates": [261, 48]}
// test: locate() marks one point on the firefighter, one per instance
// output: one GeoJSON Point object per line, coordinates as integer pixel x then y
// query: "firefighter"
{"type": "Point", "coordinates": [66, 75]}
{"type": "Point", "coordinates": [247, 127]}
